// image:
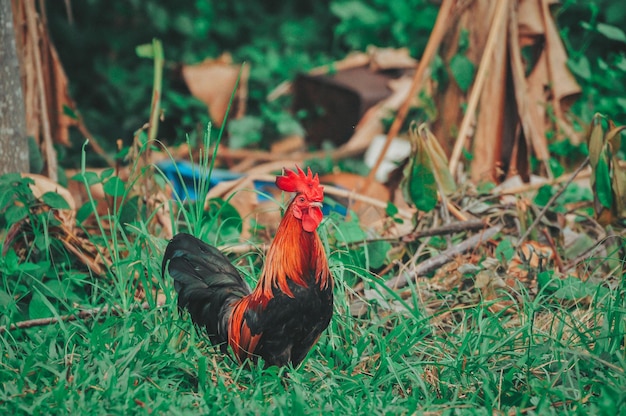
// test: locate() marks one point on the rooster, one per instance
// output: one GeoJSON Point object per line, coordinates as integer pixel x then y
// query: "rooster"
{"type": "Point", "coordinates": [292, 304]}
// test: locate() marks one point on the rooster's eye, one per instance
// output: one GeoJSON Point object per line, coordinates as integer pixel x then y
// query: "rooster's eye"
{"type": "Point", "coordinates": [301, 199]}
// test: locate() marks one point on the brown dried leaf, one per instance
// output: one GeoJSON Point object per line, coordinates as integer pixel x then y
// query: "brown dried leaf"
{"type": "Point", "coordinates": [533, 256]}
{"type": "Point", "coordinates": [213, 82]}
{"type": "Point", "coordinates": [390, 58]}
{"type": "Point", "coordinates": [491, 127]}
{"type": "Point", "coordinates": [288, 144]}
{"type": "Point", "coordinates": [42, 185]}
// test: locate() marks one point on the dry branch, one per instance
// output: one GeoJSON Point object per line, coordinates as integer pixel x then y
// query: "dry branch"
{"type": "Point", "coordinates": [433, 263]}
{"type": "Point", "coordinates": [551, 202]}
{"type": "Point", "coordinates": [82, 315]}
{"type": "Point", "coordinates": [455, 227]}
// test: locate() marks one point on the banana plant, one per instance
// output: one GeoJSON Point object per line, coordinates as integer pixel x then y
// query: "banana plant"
{"type": "Point", "coordinates": [427, 171]}
{"type": "Point", "coordinates": [608, 177]}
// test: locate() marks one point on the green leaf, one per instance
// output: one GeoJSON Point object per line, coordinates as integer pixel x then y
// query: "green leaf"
{"type": "Point", "coordinates": [11, 261]}
{"type": "Point", "coordinates": [603, 183]}
{"type": "Point", "coordinates": [145, 51]}
{"type": "Point", "coordinates": [108, 172]}
{"type": "Point", "coordinates": [546, 280]}
{"type": "Point", "coordinates": [244, 131]}
{"type": "Point", "coordinates": [580, 67]}
{"type": "Point", "coordinates": [28, 267]}
{"type": "Point", "coordinates": [505, 250]}
{"type": "Point", "coordinates": [54, 200]}
{"type": "Point", "coordinates": [84, 212]}
{"type": "Point", "coordinates": [463, 71]}
{"type": "Point", "coordinates": [5, 299]}
{"type": "Point", "coordinates": [611, 32]}
{"type": "Point", "coordinates": [16, 213]}
{"type": "Point", "coordinates": [422, 188]}
{"type": "Point", "coordinates": [114, 187]}
{"type": "Point", "coordinates": [391, 209]}
{"type": "Point", "coordinates": [543, 195]}
{"type": "Point", "coordinates": [91, 178]}
{"type": "Point", "coordinates": [438, 159]}
{"type": "Point", "coordinates": [357, 11]}
{"type": "Point", "coordinates": [11, 178]}
{"type": "Point", "coordinates": [57, 289]}
{"type": "Point", "coordinates": [572, 288]}
{"type": "Point", "coordinates": [223, 222]}
{"type": "Point", "coordinates": [6, 197]}
{"type": "Point", "coordinates": [556, 167]}
{"type": "Point", "coordinates": [377, 253]}
{"type": "Point", "coordinates": [420, 185]}
{"type": "Point", "coordinates": [595, 141]}
{"type": "Point", "coordinates": [37, 307]}
{"type": "Point", "coordinates": [68, 111]}
{"type": "Point", "coordinates": [350, 232]}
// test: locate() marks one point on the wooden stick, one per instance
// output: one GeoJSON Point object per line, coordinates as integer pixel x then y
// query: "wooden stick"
{"type": "Point", "coordinates": [551, 202]}
{"type": "Point", "coordinates": [530, 187]}
{"type": "Point", "coordinates": [495, 35]}
{"type": "Point", "coordinates": [451, 228]}
{"type": "Point", "coordinates": [83, 315]}
{"type": "Point", "coordinates": [439, 30]}
{"type": "Point", "coordinates": [435, 262]}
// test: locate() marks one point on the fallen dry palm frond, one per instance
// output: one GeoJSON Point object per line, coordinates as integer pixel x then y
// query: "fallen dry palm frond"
{"type": "Point", "coordinates": [50, 110]}
{"type": "Point", "coordinates": [506, 118]}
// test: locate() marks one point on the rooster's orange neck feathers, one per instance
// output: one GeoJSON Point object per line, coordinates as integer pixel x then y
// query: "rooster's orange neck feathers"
{"type": "Point", "coordinates": [296, 255]}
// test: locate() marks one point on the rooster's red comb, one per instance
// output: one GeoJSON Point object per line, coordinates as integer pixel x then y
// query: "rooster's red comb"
{"type": "Point", "coordinates": [298, 181]}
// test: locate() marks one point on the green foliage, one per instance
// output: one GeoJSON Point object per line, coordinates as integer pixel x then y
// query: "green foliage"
{"type": "Point", "coordinates": [461, 67]}
{"type": "Point", "coordinates": [40, 281]}
{"type": "Point", "coordinates": [463, 71]}
{"type": "Point", "coordinates": [356, 251]}
{"type": "Point", "coordinates": [608, 177]}
{"type": "Point", "coordinates": [244, 132]}
{"type": "Point", "coordinates": [593, 34]}
{"type": "Point", "coordinates": [277, 39]}
{"type": "Point", "coordinates": [222, 223]}
{"type": "Point", "coordinates": [573, 193]}
{"type": "Point", "coordinates": [383, 23]}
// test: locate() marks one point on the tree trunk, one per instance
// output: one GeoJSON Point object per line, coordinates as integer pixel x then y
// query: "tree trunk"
{"type": "Point", "coordinates": [13, 140]}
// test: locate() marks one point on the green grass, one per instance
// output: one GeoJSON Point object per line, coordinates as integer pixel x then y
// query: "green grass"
{"type": "Point", "coordinates": [147, 361]}
{"type": "Point", "coordinates": [545, 357]}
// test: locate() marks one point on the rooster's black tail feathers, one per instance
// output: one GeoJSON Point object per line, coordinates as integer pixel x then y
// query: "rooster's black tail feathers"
{"type": "Point", "coordinates": [207, 283]}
